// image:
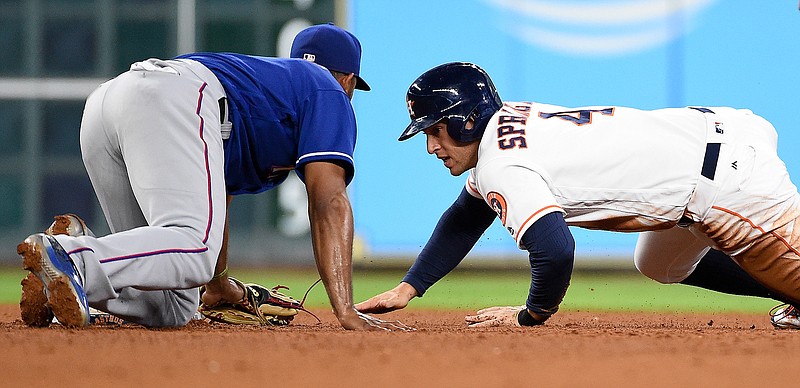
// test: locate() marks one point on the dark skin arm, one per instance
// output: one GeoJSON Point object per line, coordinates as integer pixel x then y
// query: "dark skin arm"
{"type": "Point", "coordinates": [220, 288]}
{"type": "Point", "coordinates": [332, 241]}
{"type": "Point", "coordinates": [332, 237]}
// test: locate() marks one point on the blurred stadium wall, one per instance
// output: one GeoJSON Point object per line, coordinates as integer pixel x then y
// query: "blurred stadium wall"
{"type": "Point", "coordinates": [55, 52]}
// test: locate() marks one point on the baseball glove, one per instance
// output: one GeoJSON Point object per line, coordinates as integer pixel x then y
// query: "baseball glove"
{"type": "Point", "coordinates": [260, 307]}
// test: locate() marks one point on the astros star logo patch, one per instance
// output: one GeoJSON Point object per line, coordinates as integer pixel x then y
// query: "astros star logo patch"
{"type": "Point", "coordinates": [498, 204]}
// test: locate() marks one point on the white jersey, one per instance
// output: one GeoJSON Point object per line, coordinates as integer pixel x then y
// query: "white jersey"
{"type": "Point", "coordinates": [623, 169]}
{"type": "Point", "coordinates": [604, 167]}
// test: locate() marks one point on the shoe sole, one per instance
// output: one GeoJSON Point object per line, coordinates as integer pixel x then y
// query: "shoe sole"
{"type": "Point", "coordinates": [34, 309]}
{"type": "Point", "coordinates": [60, 225]}
{"type": "Point", "coordinates": [62, 298]}
{"type": "Point", "coordinates": [785, 326]}
{"type": "Point", "coordinates": [33, 303]}
{"type": "Point", "coordinates": [70, 225]}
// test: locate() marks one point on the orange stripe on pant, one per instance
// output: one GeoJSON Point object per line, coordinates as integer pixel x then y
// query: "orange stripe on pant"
{"type": "Point", "coordinates": [770, 257]}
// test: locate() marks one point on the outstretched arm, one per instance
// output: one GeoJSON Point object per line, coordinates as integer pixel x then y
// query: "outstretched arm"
{"type": "Point", "coordinates": [458, 230]}
{"type": "Point", "coordinates": [551, 251]}
{"type": "Point", "coordinates": [332, 237]}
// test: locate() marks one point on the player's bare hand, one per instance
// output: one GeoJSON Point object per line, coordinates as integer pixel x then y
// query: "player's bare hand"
{"type": "Point", "coordinates": [495, 316]}
{"type": "Point", "coordinates": [221, 290]}
{"type": "Point", "coordinates": [360, 321]}
{"type": "Point", "coordinates": [394, 299]}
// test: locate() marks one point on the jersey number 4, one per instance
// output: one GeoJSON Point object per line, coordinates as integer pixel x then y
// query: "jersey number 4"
{"type": "Point", "coordinates": [578, 117]}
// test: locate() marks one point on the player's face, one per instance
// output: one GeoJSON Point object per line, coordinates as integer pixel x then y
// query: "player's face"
{"type": "Point", "coordinates": [456, 156]}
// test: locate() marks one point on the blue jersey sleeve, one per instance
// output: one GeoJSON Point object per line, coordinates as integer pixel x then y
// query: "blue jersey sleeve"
{"type": "Point", "coordinates": [327, 132]}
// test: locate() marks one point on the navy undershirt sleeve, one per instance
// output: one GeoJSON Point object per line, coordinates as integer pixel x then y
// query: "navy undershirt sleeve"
{"type": "Point", "coordinates": [455, 234]}
{"type": "Point", "coordinates": [551, 249]}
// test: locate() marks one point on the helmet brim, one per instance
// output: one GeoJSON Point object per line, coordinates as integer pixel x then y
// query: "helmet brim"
{"type": "Point", "coordinates": [418, 125]}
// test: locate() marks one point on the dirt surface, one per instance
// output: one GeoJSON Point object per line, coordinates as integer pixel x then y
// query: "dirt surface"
{"type": "Point", "coordinates": [582, 349]}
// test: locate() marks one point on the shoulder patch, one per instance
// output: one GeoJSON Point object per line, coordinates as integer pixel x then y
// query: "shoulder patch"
{"type": "Point", "coordinates": [498, 204]}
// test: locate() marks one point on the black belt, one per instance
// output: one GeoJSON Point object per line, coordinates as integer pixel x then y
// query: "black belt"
{"type": "Point", "coordinates": [712, 151]}
{"type": "Point", "coordinates": [223, 110]}
{"type": "Point", "coordinates": [708, 170]}
{"type": "Point", "coordinates": [710, 160]}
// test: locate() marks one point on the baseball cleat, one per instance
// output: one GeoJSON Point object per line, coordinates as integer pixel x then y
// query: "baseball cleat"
{"type": "Point", "coordinates": [69, 224]}
{"type": "Point", "coordinates": [33, 304]}
{"type": "Point", "coordinates": [45, 258]}
{"type": "Point", "coordinates": [785, 316]}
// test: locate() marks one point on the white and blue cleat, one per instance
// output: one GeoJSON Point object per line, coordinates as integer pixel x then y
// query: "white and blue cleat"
{"type": "Point", "coordinates": [785, 316]}
{"type": "Point", "coordinates": [44, 257]}
{"type": "Point", "coordinates": [33, 304]}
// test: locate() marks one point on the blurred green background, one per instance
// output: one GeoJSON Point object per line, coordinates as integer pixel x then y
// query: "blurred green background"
{"type": "Point", "coordinates": [470, 289]}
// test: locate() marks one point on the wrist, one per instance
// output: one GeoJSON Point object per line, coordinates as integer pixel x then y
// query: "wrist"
{"type": "Point", "coordinates": [525, 318]}
{"type": "Point", "coordinates": [220, 275]}
{"type": "Point", "coordinates": [406, 290]}
{"type": "Point", "coordinates": [345, 313]}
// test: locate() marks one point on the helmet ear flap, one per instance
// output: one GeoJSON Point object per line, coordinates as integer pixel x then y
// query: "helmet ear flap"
{"type": "Point", "coordinates": [481, 121]}
{"type": "Point", "coordinates": [457, 127]}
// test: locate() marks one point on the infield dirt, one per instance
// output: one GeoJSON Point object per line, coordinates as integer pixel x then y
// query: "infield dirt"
{"type": "Point", "coordinates": [574, 349]}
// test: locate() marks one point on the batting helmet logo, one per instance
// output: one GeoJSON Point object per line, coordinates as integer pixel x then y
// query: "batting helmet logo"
{"type": "Point", "coordinates": [410, 105]}
{"type": "Point", "coordinates": [498, 204]}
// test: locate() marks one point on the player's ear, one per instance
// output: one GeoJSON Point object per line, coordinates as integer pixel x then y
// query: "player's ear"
{"type": "Point", "coordinates": [470, 123]}
{"type": "Point", "coordinates": [348, 83]}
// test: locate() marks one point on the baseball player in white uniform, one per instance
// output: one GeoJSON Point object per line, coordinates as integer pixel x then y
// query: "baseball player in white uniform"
{"type": "Point", "coordinates": [699, 183]}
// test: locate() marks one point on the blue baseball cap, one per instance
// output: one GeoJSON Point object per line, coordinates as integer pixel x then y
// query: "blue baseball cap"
{"type": "Point", "coordinates": [332, 47]}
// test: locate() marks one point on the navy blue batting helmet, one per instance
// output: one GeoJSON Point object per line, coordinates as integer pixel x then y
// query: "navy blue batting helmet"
{"type": "Point", "coordinates": [454, 91]}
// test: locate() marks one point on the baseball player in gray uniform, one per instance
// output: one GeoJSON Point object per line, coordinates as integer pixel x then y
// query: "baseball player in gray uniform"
{"type": "Point", "coordinates": [167, 144]}
{"type": "Point", "coordinates": [703, 185]}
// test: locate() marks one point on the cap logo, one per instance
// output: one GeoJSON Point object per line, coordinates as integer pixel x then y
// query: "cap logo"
{"type": "Point", "coordinates": [310, 57]}
{"type": "Point", "coordinates": [410, 104]}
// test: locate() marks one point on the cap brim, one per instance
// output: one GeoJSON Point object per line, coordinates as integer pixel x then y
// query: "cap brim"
{"type": "Point", "coordinates": [361, 84]}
